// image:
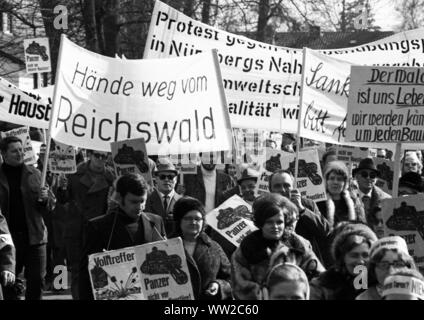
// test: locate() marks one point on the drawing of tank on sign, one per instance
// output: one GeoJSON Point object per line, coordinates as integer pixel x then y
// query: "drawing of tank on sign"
{"type": "Point", "coordinates": [306, 170]}
{"type": "Point", "coordinates": [274, 163]}
{"type": "Point", "coordinates": [37, 49]}
{"type": "Point", "coordinates": [228, 216]}
{"type": "Point", "coordinates": [110, 288]}
{"type": "Point", "coordinates": [407, 218]}
{"type": "Point", "coordinates": [159, 262]}
{"type": "Point", "coordinates": [386, 174]}
{"type": "Point", "coordinates": [127, 155]}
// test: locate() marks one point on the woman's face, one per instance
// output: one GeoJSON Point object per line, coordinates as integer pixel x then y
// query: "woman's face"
{"type": "Point", "coordinates": [378, 228]}
{"type": "Point", "coordinates": [232, 171]}
{"type": "Point", "coordinates": [273, 227]}
{"type": "Point", "coordinates": [387, 265]}
{"type": "Point", "coordinates": [411, 164]}
{"type": "Point", "coordinates": [359, 255]}
{"type": "Point", "coordinates": [191, 224]}
{"type": "Point", "coordinates": [335, 183]}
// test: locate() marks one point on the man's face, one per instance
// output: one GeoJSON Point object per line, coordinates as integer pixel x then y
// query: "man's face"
{"type": "Point", "coordinates": [411, 164]}
{"type": "Point", "coordinates": [247, 188]}
{"type": "Point", "coordinates": [98, 159]}
{"type": "Point", "coordinates": [366, 179]}
{"type": "Point", "coordinates": [282, 183]}
{"type": "Point", "coordinates": [132, 204]}
{"type": "Point", "coordinates": [14, 155]}
{"type": "Point", "coordinates": [165, 181]}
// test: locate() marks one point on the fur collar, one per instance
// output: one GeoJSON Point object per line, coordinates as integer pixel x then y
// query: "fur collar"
{"type": "Point", "coordinates": [331, 208]}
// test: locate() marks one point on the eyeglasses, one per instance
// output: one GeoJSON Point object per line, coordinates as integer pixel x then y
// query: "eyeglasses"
{"type": "Point", "coordinates": [195, 219]}
{"type": "Point", "coordinates": [100, 156]}
{"type": "Point", "coordinates": [385, 265]}
{"type": "Point", "coordinates": [166, 176]}
{"type": "Point", "coordinates": [411, 164]}
{"type": "Point", "coordinates": [365, 175]}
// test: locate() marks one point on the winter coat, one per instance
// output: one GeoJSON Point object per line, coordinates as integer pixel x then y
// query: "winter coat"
{"type": "Point", "coordinates": [314, 227]}
{"type": "Point", "coordinates": [333, 285]}
{"type": "Point", "coordinates": [7, 250]}
{"type": "Point", "coordinates": [250, 263]}
{"type": "Point", "coordinates": [87, 198]}
{"type": "Point", "coordinates": [195, 186]}
{"type": "Point", "coordinates": [350, 206]}
{"type": "Point", "coordinates": [209, 264]}
{"type": "Point", "coordinates": [34, 210]}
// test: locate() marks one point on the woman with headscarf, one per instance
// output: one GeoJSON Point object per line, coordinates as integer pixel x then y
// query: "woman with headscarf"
{"type": "Point", "coordinates": [350, 249]}
{"type": "Point", "coordinates": [275, 216]}
{"type": "Point", "coordinates": [207, 263]}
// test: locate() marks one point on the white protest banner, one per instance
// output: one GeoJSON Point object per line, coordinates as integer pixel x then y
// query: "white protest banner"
{"type": "Point", "coordinates": [385, 168]}
{"type": "Point", "coordinates": [23, 134]}
{"type": "Point", "coordinates": [24, 108]}
{"type": "Point", "coordinates": [262, 81]}
{"type": "Point", "coordinates": [164, 271]}
{"type": "Point", "coordinates": [130, 156]}
{"type": "Point", "coordinates": [326, 92]}
{"type": "Point", "coordinates": [232, 220]}
{"type": "Point", "coordinates": [404, 217]}
{"type": "Point", "coordinates": [385, 105]}
{"type": "Point", "coordinates": [114, 275]}
{"type": "Point", "coordinates": [62, 158]}
{"type": "Point", "coordinates": [177, 105]}
{"type": "Point", "coordinates": [37, 55]}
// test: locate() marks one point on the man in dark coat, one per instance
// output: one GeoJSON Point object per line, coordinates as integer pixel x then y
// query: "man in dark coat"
{"type": "Point", "coordinates": [85, 195]}
{"type": "Point", "coordinates": [162, 200]}
{"type": "Point", "coordinates": [208, 185]}
{"type": "Point", "coordinates": [7, 256]}
{"type": "Point", "coordinates": [311, 225]}
{"type": "Point", "coordinates": [125, 225]}
{"type": "Point", "coordinates": [24, 204]}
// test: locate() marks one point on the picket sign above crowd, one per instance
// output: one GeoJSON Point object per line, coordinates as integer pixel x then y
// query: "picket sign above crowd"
{"type": "Point", "coordinates": [99, 100]}
{"type": "Point", "coordinates": [262, 82]}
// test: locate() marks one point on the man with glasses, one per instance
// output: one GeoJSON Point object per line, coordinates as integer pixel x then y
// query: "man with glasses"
{"type": "Point", "coordinates": [86, 193]}
{"type": "Point", "coordinates": [369, 194]}
{"type": "Point", "coordinates": [161, 201]}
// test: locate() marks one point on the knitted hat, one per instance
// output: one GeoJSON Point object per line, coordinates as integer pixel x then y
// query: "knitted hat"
{"type": "Point", "coordinates": [394, 242]}
{"type": "Point", "coordinates": [351, 236]}
{"type": "Point", "coordinates": [404, 282]}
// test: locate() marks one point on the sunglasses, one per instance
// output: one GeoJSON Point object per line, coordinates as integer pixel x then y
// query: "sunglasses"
{"type": "Point", "coordinates": [365, 175]}
{"type": "Point", "coordinates": [166, 176]}
{"type": "Point", "coordinates": [100, 156]}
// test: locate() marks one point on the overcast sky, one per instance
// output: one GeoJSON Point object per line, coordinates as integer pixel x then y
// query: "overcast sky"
{"type": "Point", "coordinates": [386, 16]}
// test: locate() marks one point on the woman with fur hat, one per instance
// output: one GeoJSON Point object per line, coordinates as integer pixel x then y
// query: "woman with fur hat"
{"type": "Point", "coordinates": [339, 206]}
{"type": "Point", "coordinates": [387, 255]}
{"type": "Point", "coordinates": [207, 263]}
{"type": "Point", "coordinates": [350, 248]}
{"type": "Point", "coordinates": [275, 216]}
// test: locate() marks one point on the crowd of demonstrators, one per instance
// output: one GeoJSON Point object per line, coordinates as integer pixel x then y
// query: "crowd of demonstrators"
{"type": "Point", "coordinates": [301, 250]}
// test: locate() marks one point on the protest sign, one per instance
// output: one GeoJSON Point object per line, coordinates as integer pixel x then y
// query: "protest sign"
{"type": "Point", "coordinates": [385, 105]}
{"type": "Point", "coordinates": [99, 100]}
{"type": "Point", "coordinates": [24, 108]}
{"type": "Point", "coordinates": [114, 275]}
{"type": "Point", "coordinates": [37, 55]}
{"type": "Point", "coordinates": [130, 156]}
{"type": "Point", "coordinates": [185, 163]}
{"type": "Point", "coordinates": [62, 158]}
{"type": "Point", "coordinates": [262, 81]}
{"type": "Point", "coordinates": [23, 134]}
{"type": "Point", "coordinates": [385, 168]}
{"type": "Point", "coordinates": [404, 217]}
{"type": "Point", "coordinates": [163, 269]}
{"type": "Point", "coordinates": [232, 220]}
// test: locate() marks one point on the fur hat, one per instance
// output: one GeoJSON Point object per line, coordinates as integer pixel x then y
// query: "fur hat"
{"type": "Point", "coordinates": [351, 236]}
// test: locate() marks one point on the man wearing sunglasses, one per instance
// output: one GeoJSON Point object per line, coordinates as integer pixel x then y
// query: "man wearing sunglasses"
{"type": "Point", "coordinates": [161, 201]}
{"type": "Point", "coordinates": [369, 194]}
{"type": "Point", "coordinates": [86, 194]}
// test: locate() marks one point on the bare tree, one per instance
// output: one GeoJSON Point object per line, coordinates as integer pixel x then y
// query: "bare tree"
{"type": "Point", "coordinates": [412, 14]}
